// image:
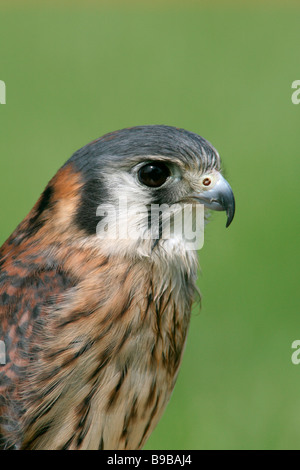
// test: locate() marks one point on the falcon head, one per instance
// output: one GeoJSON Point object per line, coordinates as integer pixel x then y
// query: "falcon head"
{"type": "Point", "coordinates": [146, 166]}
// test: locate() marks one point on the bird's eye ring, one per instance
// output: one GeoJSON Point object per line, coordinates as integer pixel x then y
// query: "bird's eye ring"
{"type": "Point", "coordinates": [206, 182]}
{"type": "Point", "coordinates": [154, 174]}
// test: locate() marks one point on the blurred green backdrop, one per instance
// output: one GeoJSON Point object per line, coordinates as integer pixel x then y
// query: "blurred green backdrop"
{"type": "Point", "coordinates": [76, 71]}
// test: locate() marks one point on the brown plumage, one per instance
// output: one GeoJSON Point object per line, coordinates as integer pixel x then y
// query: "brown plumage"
{"type": "Point", "coordinates": [94, 329]}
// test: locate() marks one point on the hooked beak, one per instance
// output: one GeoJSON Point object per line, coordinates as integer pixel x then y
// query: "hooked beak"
{"type": "Point", "coordinates": [219, 198]}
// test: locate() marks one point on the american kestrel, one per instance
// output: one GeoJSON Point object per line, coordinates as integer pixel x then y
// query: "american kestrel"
{"type": "Point", "coordinates": [94, 324]}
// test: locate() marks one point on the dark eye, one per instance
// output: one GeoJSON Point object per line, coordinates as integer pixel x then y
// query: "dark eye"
{"type": "Point", "coordinates": [154, 174]}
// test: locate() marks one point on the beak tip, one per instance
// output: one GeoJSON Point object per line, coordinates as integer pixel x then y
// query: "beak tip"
{"type": "Point", "coordinates": [230, 215]}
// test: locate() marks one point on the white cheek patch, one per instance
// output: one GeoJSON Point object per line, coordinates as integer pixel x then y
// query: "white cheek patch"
{"type": "Point", "coordinates": [122, 220]}
{"type": "Point", "coordinates": [125, 216]}
{"type": "Point", "coordinates": [131, 225]}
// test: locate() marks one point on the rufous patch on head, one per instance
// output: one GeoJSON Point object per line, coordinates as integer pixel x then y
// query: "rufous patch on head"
{"type": "Point", "coordinates": [66, 185]}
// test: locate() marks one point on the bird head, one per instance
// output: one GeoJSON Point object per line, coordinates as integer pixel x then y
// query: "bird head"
{"type": "Point", "coordinates": [127, 173]}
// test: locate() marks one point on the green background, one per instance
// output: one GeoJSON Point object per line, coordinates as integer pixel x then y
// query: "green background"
{"type": "Point", "coordinates": [76, 71]}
